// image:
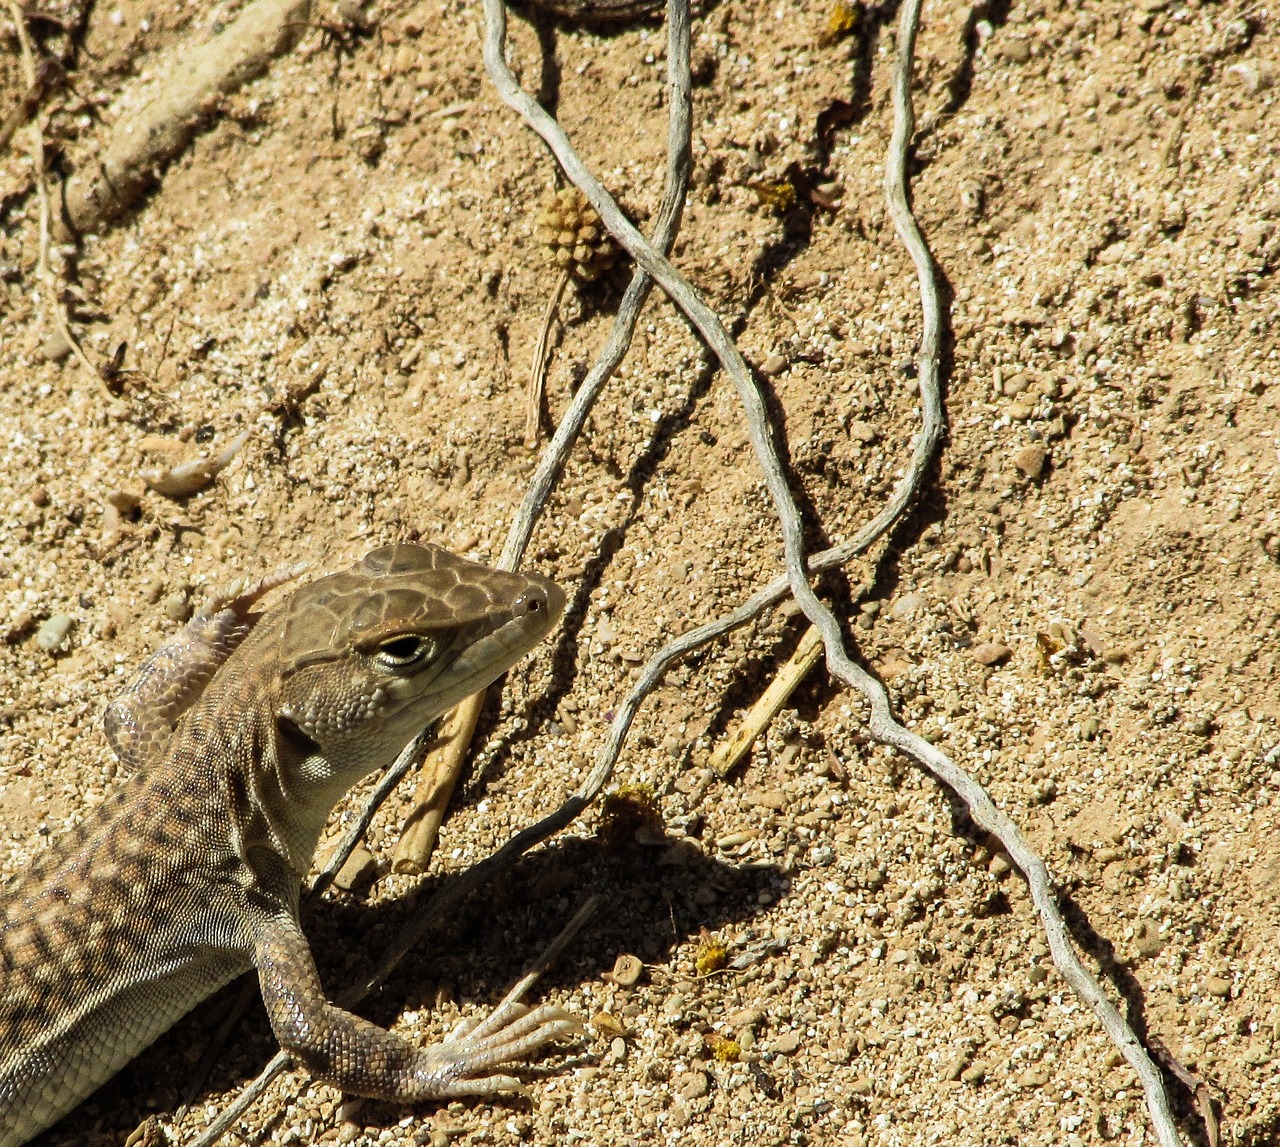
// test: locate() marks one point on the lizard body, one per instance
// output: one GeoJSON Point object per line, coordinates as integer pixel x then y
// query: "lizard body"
{"type": "Point", "coordinates": [244, 731]}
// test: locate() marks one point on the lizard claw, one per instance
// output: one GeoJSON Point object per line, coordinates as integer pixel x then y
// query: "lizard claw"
{"type": "Point", "coordinates": [512, 1032]}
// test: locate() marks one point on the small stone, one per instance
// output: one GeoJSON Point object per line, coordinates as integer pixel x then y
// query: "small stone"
{"type": "Point", "coordinates": [786, 1044]}
{"type": "Point", "coordinates": [863, 432]}
{"type": "Point", "coordinates": [177, 605]}
{"type": "Point", "coordinates": [990, 653]}
{"type": "Point", "coordinates": [606, 1023]}
{"type": "Point", "coordinates": [1044, 792]}
{"type": "Point", "coordinates": [1016, 51]}
{"type": "Point", "coordinates": [1089, 729]}
{"type": "Point", "coordinates": [54, 631]}
{"type": "Point", "coordinates": [17, 626]}
{"type": "Point", "coordinates": [1147, 939]}
{"type": "Point", "coordinates": [55, 346]}
{"type": "Point", "coordinates": [1030, 461]}
{"type": "Point", "coordinates": [359, 870]}
{"type": "Point", "coordinates": [1217, 986]}
{"type": "Point", "coordinates": [1258, 1054]}
{"type": "Point", "coordinates": [617, 1049]}
{"type": "Point", "coordinates": [907, 605]}
{"type": "Point", "coordinates": [773, 365]}
{"type": "Point", "coordinates": [123, 501]}
{"type": "Point", "coordinates": [861, 1086]}
{"type": "Point", "coordinates": [39, 496]}
{"type": "Point", "coordinates": [1018, 411]}
{"type": "Point", "coordinates": [627, 970]}
{"type": "Point", "coordinates": [974, 1074]}
{"type": "Point", "coordinates": [1000, 867]}
{"type": "Point", "coordinates": [691, 1084]}
{"type": "Point", "coordinates": [952, 1068]}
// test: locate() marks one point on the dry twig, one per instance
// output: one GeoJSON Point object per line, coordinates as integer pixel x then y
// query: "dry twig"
{"type": "Point", "coordinates": [436, 781]}
{"type": "Point", "coordinates": [538, 370]}
{"type": "Point", "coordinates": [193, 79]}
{"type": "Point", "coordinates": [757, 719]}
{"type": "Point", "coordinates": [46, 75]}
{"type": "Point", "coordinates": [48, 280]}
{"type": "Point", "coordinates": [882, 723]}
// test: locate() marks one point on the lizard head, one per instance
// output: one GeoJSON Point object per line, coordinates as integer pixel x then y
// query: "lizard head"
{"type": "Point", "coordinates": [369, 656]}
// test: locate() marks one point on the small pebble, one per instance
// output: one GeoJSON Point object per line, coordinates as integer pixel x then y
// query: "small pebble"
{"type": "Point", "coordinates": [974, 1074]}
{"type": "Point", "coordinates": [1147, 939]}
{"type": "Point", "coordinates": [39, 497]}
{"type": "Point", "coordinates": [990, 653]}
{"type": "Point", "coordinates": [786, 1044]}
{"type": "Point", "coordinates": [773, 365]}
{"type": "Point", "coordinates": [627, 970]}
{"type": "Point", "coordinates": [1217, 986]}
{"type": "Point", "coordinates": [863, 432]}
{"type": "Point", "coordinates": [1030, 460]}
{"type": "Point", "coordinates": [53, 631]}
{"type": "Point", "coordinates": [1016, 51]}
{"type": "Point", "coordinates": [123, 501]}
{"type": "Point", "coordinates": [177, 605]}
{"type": "Point", "coordinates": [692, 1084]}
{"type": "Point", "coordinates": [359, 870]}
{"type": "Point", "coordinates": [55, 346]}
{"type": "Point", "coordinates": [606, 1023]}
{"type": "Point", "coordinates": [907, 605]}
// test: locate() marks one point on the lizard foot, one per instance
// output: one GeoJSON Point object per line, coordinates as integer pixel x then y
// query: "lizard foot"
{"type": "Point", "coordinates": [511, 1032]}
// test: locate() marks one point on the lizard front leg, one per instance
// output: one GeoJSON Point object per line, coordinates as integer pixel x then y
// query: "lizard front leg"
{"type": "Point", "coordinates": [363, 1059]}
{"type": "Point", "coordinates": [141, 718]}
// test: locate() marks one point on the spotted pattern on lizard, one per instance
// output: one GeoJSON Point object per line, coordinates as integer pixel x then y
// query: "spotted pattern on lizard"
{"type": "Point", "coordinates": [244, 731]}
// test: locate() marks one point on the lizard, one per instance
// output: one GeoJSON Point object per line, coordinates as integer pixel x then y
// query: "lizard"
{"type": "Point", "coordinates": [242, 733]}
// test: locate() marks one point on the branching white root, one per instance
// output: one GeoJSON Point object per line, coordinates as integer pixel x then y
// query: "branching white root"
{"type": "Point", "coordinates": [883, 725]}
{"type": "Point", "coordinates": [652, 265]}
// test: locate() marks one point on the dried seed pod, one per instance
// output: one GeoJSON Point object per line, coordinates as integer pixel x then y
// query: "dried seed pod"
{"type": "Point", "coordinates": [570, 231]}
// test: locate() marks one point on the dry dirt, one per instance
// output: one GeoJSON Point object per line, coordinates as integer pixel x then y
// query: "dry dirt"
{"type": "Point", "coordinates": [343, 264]}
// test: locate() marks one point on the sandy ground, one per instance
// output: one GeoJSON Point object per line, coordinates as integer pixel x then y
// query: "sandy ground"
{"type": "Point", "coordinates": [343, 264]}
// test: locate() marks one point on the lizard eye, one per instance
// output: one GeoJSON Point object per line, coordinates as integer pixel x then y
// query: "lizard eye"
{"type": "Point", "coordinates": [402, 652]}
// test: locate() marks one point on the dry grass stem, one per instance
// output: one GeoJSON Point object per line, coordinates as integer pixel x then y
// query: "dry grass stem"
{"type": "Point", "coordinates": [44, 270]}
{"type": "Point", "coordinates": [729, 752]}
{"type": "Point", "coordinates": [437, 778]}
{"type": "Point", "coordinates": [538, 368]}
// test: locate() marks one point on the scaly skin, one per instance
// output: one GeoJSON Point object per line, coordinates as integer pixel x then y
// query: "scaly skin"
{"type": "Point", "coordinates": [245, 730]}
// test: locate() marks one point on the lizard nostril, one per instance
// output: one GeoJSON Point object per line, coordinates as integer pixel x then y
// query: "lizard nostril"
{"type": "Point", "coordinates": [533, 601]}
